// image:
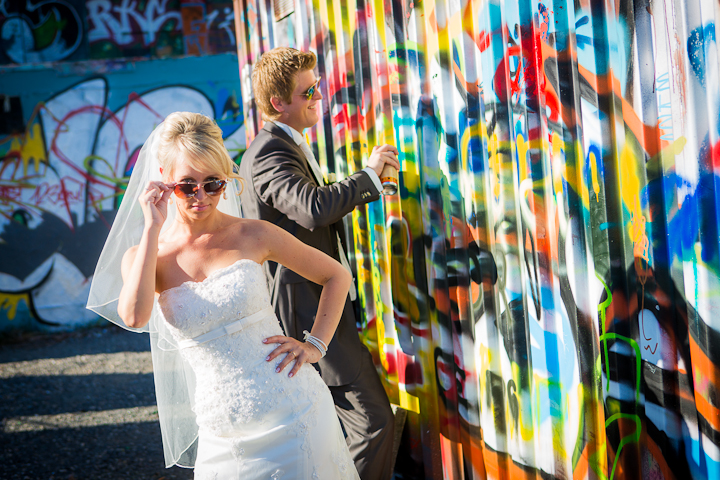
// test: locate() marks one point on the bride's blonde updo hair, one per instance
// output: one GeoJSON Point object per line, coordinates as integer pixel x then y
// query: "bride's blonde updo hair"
{"type": "Point", "coordinates": [196, 139]}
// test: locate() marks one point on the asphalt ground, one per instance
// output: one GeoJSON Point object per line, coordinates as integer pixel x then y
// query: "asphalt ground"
{"type": "Point", "coordinates": [80, 405]}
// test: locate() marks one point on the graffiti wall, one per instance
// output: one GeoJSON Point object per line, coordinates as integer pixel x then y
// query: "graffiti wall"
{"type": "Point", "coordinates": [71, 30]}
{"type": "Point", "coordinates": [541, 294]}
{"type": "Point", "coordinates": [82, 83]}
{"type": "Point", "coordinates": [48, 31]}
{"type": "Point", "coordinates": [63, 173]}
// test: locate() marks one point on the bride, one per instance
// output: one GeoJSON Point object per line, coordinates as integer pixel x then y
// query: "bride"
{"type": "Point", "coordinates": [236, 398]}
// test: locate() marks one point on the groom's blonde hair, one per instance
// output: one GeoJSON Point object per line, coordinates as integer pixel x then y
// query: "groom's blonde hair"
{"type": "Point", "coordinates": [197, 140]}
{"type": "Point", "coordinates": [275, 75]}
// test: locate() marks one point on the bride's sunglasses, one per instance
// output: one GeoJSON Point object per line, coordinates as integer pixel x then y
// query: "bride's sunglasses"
{"type": "Point", "coordinates": [189, 190]}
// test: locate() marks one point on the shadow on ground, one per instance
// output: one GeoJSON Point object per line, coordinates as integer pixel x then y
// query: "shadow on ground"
{"type": "Point", "coordinates": [61, 419]}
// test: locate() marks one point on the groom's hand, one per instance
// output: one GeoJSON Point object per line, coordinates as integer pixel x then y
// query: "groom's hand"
{"type": "Point", "coordinates": [381, 155]}
{"type": "Point", "coordinates": [300, 352]}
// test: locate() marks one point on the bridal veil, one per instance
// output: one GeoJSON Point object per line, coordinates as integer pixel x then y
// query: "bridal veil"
{"type": "Point", "coordinates": [174, 379]}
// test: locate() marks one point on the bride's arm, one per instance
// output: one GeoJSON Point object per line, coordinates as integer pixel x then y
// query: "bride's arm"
{"type": "Point", "coordinates": [138, 271]}
{"type": "Point", "coordinates": [139, 263]}
{"type": "Point", "coordinates": [317, 267]}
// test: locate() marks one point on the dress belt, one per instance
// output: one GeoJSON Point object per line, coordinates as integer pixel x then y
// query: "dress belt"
{"type": "Point", "coordinates": [233, 327]}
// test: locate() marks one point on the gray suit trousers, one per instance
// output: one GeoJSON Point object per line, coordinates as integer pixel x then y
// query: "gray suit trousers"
{"type": "Point", "coordinates": [367, 421]}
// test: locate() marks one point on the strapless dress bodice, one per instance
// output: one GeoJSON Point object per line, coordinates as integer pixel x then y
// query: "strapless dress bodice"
{"type": "Point", "coordinates": [235, 386]}
{"type": "Point", "coordinates": [227, 294]}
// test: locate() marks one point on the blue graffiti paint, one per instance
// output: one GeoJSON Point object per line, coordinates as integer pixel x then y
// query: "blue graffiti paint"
{"type": "Point", "coordinates": [698, 46]}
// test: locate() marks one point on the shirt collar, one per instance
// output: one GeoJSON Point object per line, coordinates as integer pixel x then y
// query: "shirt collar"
{"type": "Point", "coordinates": [294, 134]}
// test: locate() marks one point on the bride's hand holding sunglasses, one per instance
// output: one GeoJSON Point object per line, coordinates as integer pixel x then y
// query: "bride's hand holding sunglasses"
{"type": "Point", "coordinates": [154, 201]}
{"type": "Point", "coordinates": [189, 189]}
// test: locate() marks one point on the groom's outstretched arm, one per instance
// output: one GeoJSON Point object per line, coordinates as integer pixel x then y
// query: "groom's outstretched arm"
{"type": "Point", "coordinates": [280, 181]}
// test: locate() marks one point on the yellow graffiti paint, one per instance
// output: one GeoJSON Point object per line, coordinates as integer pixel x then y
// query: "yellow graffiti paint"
{"type": "Point", "coordinates": [411, 181]}
{"type": "Point", "coordinates": [381, 342]}
{"type": "Point", "coordinates": [636, 230]}
{"type": "Point", "coordinates": [10, 302]}
{"type": "Point", "coordinates": [557, 162]}
{"type": "Point", "coordinates": [409, 401]}
{"type": "Point", "coordinates": [677, 147]}
{"type": "Point", "coordinates": [31, 148]}
{"type": "Point", "coordinates": [494, 164]}
{"type": "Point", "coordinates": [598, 460]}
{"type": "Point", "coordinates": [629, 178]}
{"type": "Point", "coordinates": [576, 172]}
{"type": "Point", "coordinates": [594, 173]}
{"type": "Point", "coordinates": [522, 148]}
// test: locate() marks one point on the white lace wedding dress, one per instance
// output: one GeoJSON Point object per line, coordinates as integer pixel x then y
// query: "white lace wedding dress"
{"type": "Point", "coordinates": [254, 423]}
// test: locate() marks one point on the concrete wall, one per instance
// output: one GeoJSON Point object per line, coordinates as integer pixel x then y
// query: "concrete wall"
{"type": "Point", "coordinates": [74, 111]}
{"type": "Point", "coordinates": [574, 146]}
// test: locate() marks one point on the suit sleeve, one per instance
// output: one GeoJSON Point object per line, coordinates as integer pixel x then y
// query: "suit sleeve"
{"type": "Point", "coordinates": [281, 182]}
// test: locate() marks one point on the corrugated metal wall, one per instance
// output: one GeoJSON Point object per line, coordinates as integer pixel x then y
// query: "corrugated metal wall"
{"type": "Point", "coordinates": [543, 294]}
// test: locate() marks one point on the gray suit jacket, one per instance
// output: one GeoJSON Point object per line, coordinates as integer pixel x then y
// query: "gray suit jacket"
{"type": "Point", "coordinates": [280, 188]}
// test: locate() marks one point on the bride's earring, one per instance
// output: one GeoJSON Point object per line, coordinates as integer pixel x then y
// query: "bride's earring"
{"type": "Point", "coordinates": [225, 195]}
{"type": "Point", "coordinates": [170, 201]}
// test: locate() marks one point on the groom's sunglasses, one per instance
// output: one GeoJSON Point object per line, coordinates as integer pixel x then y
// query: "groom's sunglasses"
{"type": "Point", "coordinates": [189, 190]}
{"type": "Point", "coordinates": [311, 91]}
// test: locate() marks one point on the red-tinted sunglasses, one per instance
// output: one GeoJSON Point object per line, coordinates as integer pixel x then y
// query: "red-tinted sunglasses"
{"type": "Point", "coordinates": [189, 190]}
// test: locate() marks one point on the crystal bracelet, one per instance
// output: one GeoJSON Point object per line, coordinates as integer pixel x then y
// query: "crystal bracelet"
{"type": "Point", "coordinates": [316, 342]}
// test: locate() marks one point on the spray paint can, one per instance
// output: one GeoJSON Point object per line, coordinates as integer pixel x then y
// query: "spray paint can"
{"type": "Point", "coordinates": [389, 180]}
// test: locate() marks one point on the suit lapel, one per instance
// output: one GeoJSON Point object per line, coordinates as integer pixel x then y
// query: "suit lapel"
{"type": "Point", "coordinates": [278, 132]}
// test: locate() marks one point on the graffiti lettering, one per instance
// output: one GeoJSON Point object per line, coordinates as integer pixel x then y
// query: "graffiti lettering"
{"type": "Point", "coordinates": [10, 194]}
{"type": "Point", "coordinates": [117, 22]}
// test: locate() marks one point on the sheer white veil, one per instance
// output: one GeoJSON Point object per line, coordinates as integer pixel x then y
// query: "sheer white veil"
{"type": "Point", "coordinates": [174, 379]}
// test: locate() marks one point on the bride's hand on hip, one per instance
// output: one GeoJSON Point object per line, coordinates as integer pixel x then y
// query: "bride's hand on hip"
{"type": "Point", "coordinates": [293, 350]}
{"type": "Point", "coordinates": [154, 203]}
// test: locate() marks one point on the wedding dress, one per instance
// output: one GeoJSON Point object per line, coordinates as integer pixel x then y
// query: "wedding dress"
{"type": "Point", "coordinates": [254, 423]}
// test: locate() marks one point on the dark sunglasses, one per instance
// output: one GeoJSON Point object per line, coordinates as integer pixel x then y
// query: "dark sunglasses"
{"type": "Point", "coordinates": [311, 91]}
{"type": "Point", "coordinates": [189, 190]}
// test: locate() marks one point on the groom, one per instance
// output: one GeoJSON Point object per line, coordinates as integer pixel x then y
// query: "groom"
{"type": "Point", "coordinates": [285, 186]}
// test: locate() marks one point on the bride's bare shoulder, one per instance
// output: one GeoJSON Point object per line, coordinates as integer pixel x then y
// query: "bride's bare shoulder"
{"type": "Point", "coordinates": [249, 226]}
{"type": "Point", "coordinates": [130, 253]}
{"type": "Point", "coordinates": [128, 259]}
{"type": "Point", "coordinates": [255, 234]}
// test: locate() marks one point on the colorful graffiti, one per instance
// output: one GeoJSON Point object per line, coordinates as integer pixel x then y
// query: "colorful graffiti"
{"type": "Point", "coordinates": [62, 177]}
{"type": "Point", "coordinates": [541, 294]}
{"type": "Point", "coordinates": [49, 31]}
{"type": "Point", "coordinates": [119, 28]}
{"type": "Point", "coordinates": [72, 30]}
{"type": "Point", "coordinates": [208, 27]}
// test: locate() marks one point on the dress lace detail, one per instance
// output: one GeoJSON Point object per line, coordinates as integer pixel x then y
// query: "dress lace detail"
{"type": "Point", "coordinates": [260, 417]}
